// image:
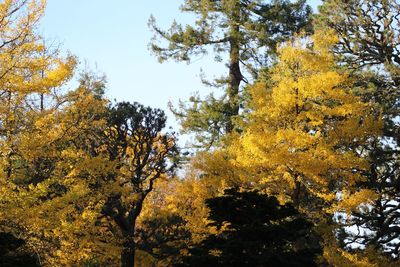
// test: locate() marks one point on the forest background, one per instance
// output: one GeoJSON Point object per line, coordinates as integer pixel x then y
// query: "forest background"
{"type": "Point", "coordinates": [292, 160]}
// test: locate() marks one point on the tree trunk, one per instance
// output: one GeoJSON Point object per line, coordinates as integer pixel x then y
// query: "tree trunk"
{"type": "Point", "coordinates": [128, 253]}
{"type": "Point", "coordinates": [297, 194]}
{"type": "Point", "coordinates": [129, 245]}
{"type": "Point", "coordinates": [235, 75]}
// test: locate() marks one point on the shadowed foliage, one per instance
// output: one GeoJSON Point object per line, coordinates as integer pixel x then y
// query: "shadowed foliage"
{"type": "Point", "coordinates": [254, 230]}
{"type": "Point", "coordinates": [13, 252]}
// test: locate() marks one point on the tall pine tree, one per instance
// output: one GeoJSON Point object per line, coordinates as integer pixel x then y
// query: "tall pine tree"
{"type": "Point", "coordinates": [247, 32]}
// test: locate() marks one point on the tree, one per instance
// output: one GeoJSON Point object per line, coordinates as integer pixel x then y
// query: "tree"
{"type": "Point", "coordinates": [368, 44]}
{"type": "Point", "coordinates": [22, 63]}
{"type": "Point", "coordinates": [254, 230]}
{"type": "Point", "coordinates": [27, 72]}
{"type": "Point", "coordinates": [140, 151]}
{"type": "Point", "coordinates": [367, 31]}
{"type": "Point", "coordinates": [102, 163]}
{"type": "Point", "coordinates": [46, 200]}
{"type": "Point", "coordinates": [302, 138]}
{"type": "Point", "coordinates": [240, 29]}
{"type": "Point", "coordinates": [74, 171]}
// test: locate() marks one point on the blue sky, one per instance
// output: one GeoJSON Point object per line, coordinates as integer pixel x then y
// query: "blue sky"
{"type": "Point", "coordinates": [113, 37]}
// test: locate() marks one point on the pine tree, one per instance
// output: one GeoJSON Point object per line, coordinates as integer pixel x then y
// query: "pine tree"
{"type": "Point", "coordinates": [368, 34]}
{"type": "Point", "coordinates": [247, 32]}
{"type": "Point", "coordinates": [140, 153]}
{"type": "Point", "coordinates": [254, 230]}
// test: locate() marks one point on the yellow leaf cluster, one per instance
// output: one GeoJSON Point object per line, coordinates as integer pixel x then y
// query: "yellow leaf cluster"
{"type": "Point", "coordinates": [304, 130]}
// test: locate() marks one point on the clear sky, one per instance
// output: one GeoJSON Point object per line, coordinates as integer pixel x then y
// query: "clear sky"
{"type": "Point", "coordinates": [113, 37]}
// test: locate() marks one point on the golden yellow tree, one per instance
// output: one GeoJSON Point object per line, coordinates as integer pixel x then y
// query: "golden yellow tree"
{"type": "Point", "coordinates": [84, 170]}
{"type": "Point", "coordinates": [26, 70]}
{"type": "Point", "coordinates": [27, 74]}
{"type": "Point", "coordinates": [39, 200]}
{"type": "Point", "coordinates": [303, 135]}
{"type": "Point", "coordinates": [74, 172]}
{"type": "Point", "coordinates": [46, 199]}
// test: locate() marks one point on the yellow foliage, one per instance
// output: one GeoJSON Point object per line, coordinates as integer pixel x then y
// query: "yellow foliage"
{"type": "Point", "coordinates": [302, 134]}
{"type": "Point", "coordinates": [340, 258]}
{"type": "Point", "coordinates": [333, 255]}
{"type": "Point", "coordinates": [48, 194]}
{"type": "Point", "coordinates": [352, 201]}
{"type": "Point", "coordinates": [188, 202]}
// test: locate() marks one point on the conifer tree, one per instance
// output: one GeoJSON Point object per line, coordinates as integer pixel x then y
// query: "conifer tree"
{"type": "Point", "coordinates": [368, 33]}
{"type": "Point", "coordinates": [254, 230]}
{"type": "Point", "coordinates": [247, 32]}
{"type": "Point", "coordinates": [140, 153]}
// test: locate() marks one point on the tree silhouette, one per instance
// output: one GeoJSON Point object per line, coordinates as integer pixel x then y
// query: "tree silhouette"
{"type": "Point", "coordinates": [255, 230]}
